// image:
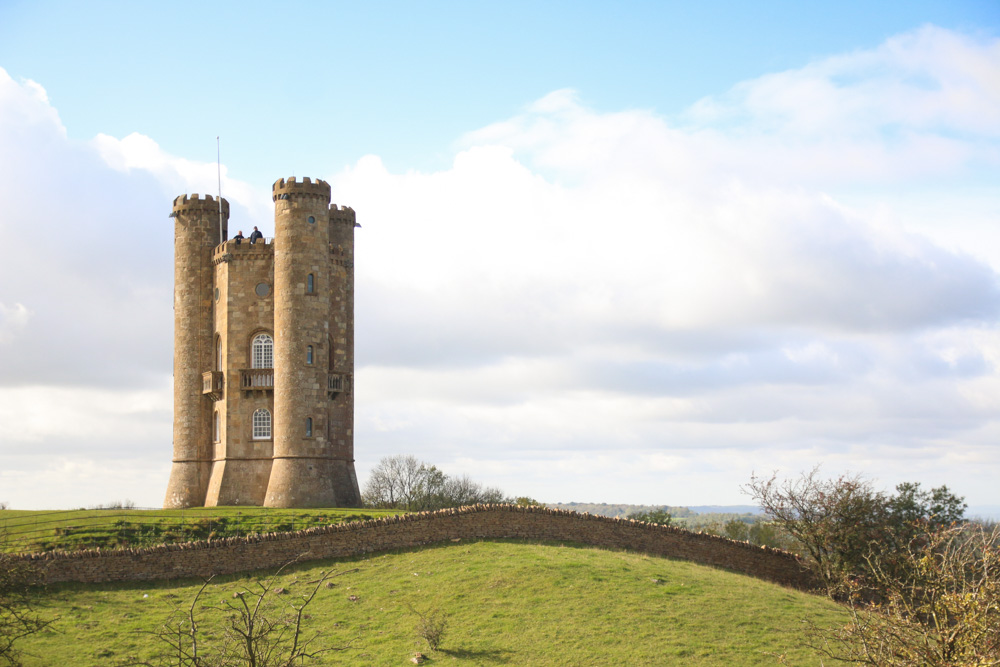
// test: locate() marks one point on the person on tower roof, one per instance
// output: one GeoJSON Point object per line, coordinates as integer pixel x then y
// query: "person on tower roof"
{"type": "Point", "coordinates": [239, 237]}
{"type": "Point", "coordinates": [254, 235]}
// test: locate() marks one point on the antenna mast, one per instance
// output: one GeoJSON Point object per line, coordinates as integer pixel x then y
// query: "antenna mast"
{"type": "Point", "coordinates": [218, 164]}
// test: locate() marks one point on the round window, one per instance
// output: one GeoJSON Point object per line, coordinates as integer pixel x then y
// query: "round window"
{"type": "Point", "coordinates": [311, 220]}
{"type": "Point", "coordinates": [262, 289]}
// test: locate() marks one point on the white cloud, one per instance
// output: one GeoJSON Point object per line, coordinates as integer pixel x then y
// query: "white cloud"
{"type": "Point", "coordinates": [626, 287]}
{"type": "Point", "coordinates": [13, 320]}
{"type": "Point", "coordinates": [178, 175]}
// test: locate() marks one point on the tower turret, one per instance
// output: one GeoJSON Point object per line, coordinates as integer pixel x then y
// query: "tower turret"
{"type": "Point", "coordinates": [301, 475]}
{"type": "Point", "coordinates": [341, 380]}
{"type": "Point", "coordinates": [197, 230]}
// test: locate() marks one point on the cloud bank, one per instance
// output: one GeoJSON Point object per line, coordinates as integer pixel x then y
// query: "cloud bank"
{"type": "Point", "coordinates": [587, 305]}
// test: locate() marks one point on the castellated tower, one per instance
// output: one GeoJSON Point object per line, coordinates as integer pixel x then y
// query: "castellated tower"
{"type": "Point", "coordinates": [264, 355]}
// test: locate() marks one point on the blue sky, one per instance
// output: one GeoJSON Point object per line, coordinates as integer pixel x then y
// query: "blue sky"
{"type": "Point", "coordinates": [621, 253]}
{"type": "Point", "coordinates": [299, 88]}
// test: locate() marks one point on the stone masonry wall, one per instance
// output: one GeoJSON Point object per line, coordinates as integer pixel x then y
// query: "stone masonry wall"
{"type": "Point", "coordinates": [233, 555]}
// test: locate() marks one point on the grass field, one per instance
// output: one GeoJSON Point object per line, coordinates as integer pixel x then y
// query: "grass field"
{"type": "Point", "coordinates": [24, 530]}
{"type": "Point", "coordinates": [506, 602]}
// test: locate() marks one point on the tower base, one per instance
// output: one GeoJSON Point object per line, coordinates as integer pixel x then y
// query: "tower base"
{"type": "Point", "coordinates": [238, 482]}
{"type": "Point", "coordinates": [187, 485]}
{"type": "Point", "coordinates": [312, 482]}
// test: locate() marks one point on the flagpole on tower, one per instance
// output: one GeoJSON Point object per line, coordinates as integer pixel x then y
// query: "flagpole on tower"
{"type": "Point", "coordinates": [218, 164]}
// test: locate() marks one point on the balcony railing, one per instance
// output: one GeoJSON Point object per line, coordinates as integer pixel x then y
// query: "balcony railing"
{"type": "Point", "coordinates": [336, 383]}
{"type": "Point", "coordinates": [212, 383]}
{"type": "Point", "coordinates": [257, 379]}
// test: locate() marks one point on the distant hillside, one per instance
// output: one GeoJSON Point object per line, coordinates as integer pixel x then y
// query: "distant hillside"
{"type": "Point", "coordinates": [622, 510]}
{"type": "Point", "coordinates": [991, 512]}
{"type": "Point", "coordinates": [725, 509]}
{"type": "Point", "coordinates": [606, 509]}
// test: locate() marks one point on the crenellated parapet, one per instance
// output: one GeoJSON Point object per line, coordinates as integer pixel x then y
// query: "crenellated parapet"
{"type": "Point", "coordinates": [287, 188]}
{"type": "Point", "coordinates": [192, 203]}
{"type": "Point", "coordinates": [342, 215]}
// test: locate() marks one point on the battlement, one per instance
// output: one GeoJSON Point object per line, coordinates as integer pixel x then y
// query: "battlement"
{"type": "Point", "coordinates": [186, 203]}
{"type": "Point", "coordinates": [343, 215]}
{"type": "Point", "coordinates": [283, 188]}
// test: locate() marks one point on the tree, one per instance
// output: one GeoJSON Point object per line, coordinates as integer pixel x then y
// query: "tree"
{"type": "Point", "coordinates": [942, 608]}
{"type": "Point", "coordinates": [395, 482]}
{"type": "Point", "coordinates": [914, 509]}
{"type": "Point", "coordinates": [18, 618]}
{"type": "Point", "coordinates": [403, 482]}
{"type": "Point", "coordinates": [837, 522]}
{"type": "Point", "coordinates": [834, 521]}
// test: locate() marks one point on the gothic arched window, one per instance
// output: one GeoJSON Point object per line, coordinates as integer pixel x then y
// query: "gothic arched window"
{"type": "Point", "coordinates": [262, 352]}
{"type": "Point", "coordinates": [262, 425]}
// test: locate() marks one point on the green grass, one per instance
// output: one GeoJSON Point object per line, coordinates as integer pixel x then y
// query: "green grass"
{"type": "Point", "coordinates": [109, 528]}
{"type": "Point", "coordinates": [506, 602]}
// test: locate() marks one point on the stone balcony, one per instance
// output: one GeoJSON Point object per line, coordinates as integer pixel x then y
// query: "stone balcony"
{"type": "Point", "coordinates": [336, 383]}
{"type": "Point", "coordinates": [212, 384]}
{"type": "Point", "coordinates": [257, 380]}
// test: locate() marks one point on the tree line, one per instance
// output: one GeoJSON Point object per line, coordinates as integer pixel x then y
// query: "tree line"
{"type": "Point", "coordinates": [406, 483]}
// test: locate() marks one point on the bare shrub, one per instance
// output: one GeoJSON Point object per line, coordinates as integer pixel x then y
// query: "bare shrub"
{"type": "Point", "coordinates": [257, 630]}
{"type": "Point", "coordinates": [18, 618]}
{"type": "Point", "coordinates": [431, 626]}
{"type": "Point", "coordinates": [938, 604]}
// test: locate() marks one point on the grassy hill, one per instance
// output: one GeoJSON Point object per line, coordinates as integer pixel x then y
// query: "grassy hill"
{"type": "Point", "coordinates": [506, 602]}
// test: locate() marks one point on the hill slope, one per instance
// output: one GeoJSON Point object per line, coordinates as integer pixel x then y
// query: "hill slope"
{"type": "Point", "coordinates": [507, 603]}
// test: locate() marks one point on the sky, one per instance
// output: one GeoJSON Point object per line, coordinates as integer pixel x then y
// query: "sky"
{"type": "Point", "coordinates": [623, 252]}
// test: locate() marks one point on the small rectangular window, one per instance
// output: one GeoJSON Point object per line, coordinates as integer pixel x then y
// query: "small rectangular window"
{"type": "Point", "coordinates": [309, 354]}
{"type": "Point", "coordinates": [309, 427]}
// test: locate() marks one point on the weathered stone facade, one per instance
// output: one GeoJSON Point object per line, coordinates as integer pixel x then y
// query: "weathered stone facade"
{"type": "Point", "coordinates": [264, 355]}
{"type": "Point", "coordinates": [480, 522]}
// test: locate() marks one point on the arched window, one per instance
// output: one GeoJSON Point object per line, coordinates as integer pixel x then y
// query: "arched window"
{"type": "Point", "coordinates": [261, 425]}
{"type": "Point", "coordinates": [309, 354]}
{"type": "Point", "coordinates": [262, 352]}
{"type": "Point", "coordinates": [216, 426]}
{"type": "Point", "coordinates": [310, 284]}
{"type": "Point", "coordinates": [309, 427]}
{"type": "Point", "coordinates": [218, 353]}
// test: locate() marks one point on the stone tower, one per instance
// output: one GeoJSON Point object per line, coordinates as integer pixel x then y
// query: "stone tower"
{"type": "Point", "coordinates": [264, 355]}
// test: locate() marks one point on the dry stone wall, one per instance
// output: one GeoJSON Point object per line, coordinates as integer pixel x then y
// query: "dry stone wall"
{"type": "Point", "coordinates": [480, 522]}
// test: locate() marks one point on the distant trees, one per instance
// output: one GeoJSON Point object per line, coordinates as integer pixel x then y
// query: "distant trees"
{"type": "Point", "coordinates": [659, 516]}
{"type": "Point", "coordinates": [404, 482]}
